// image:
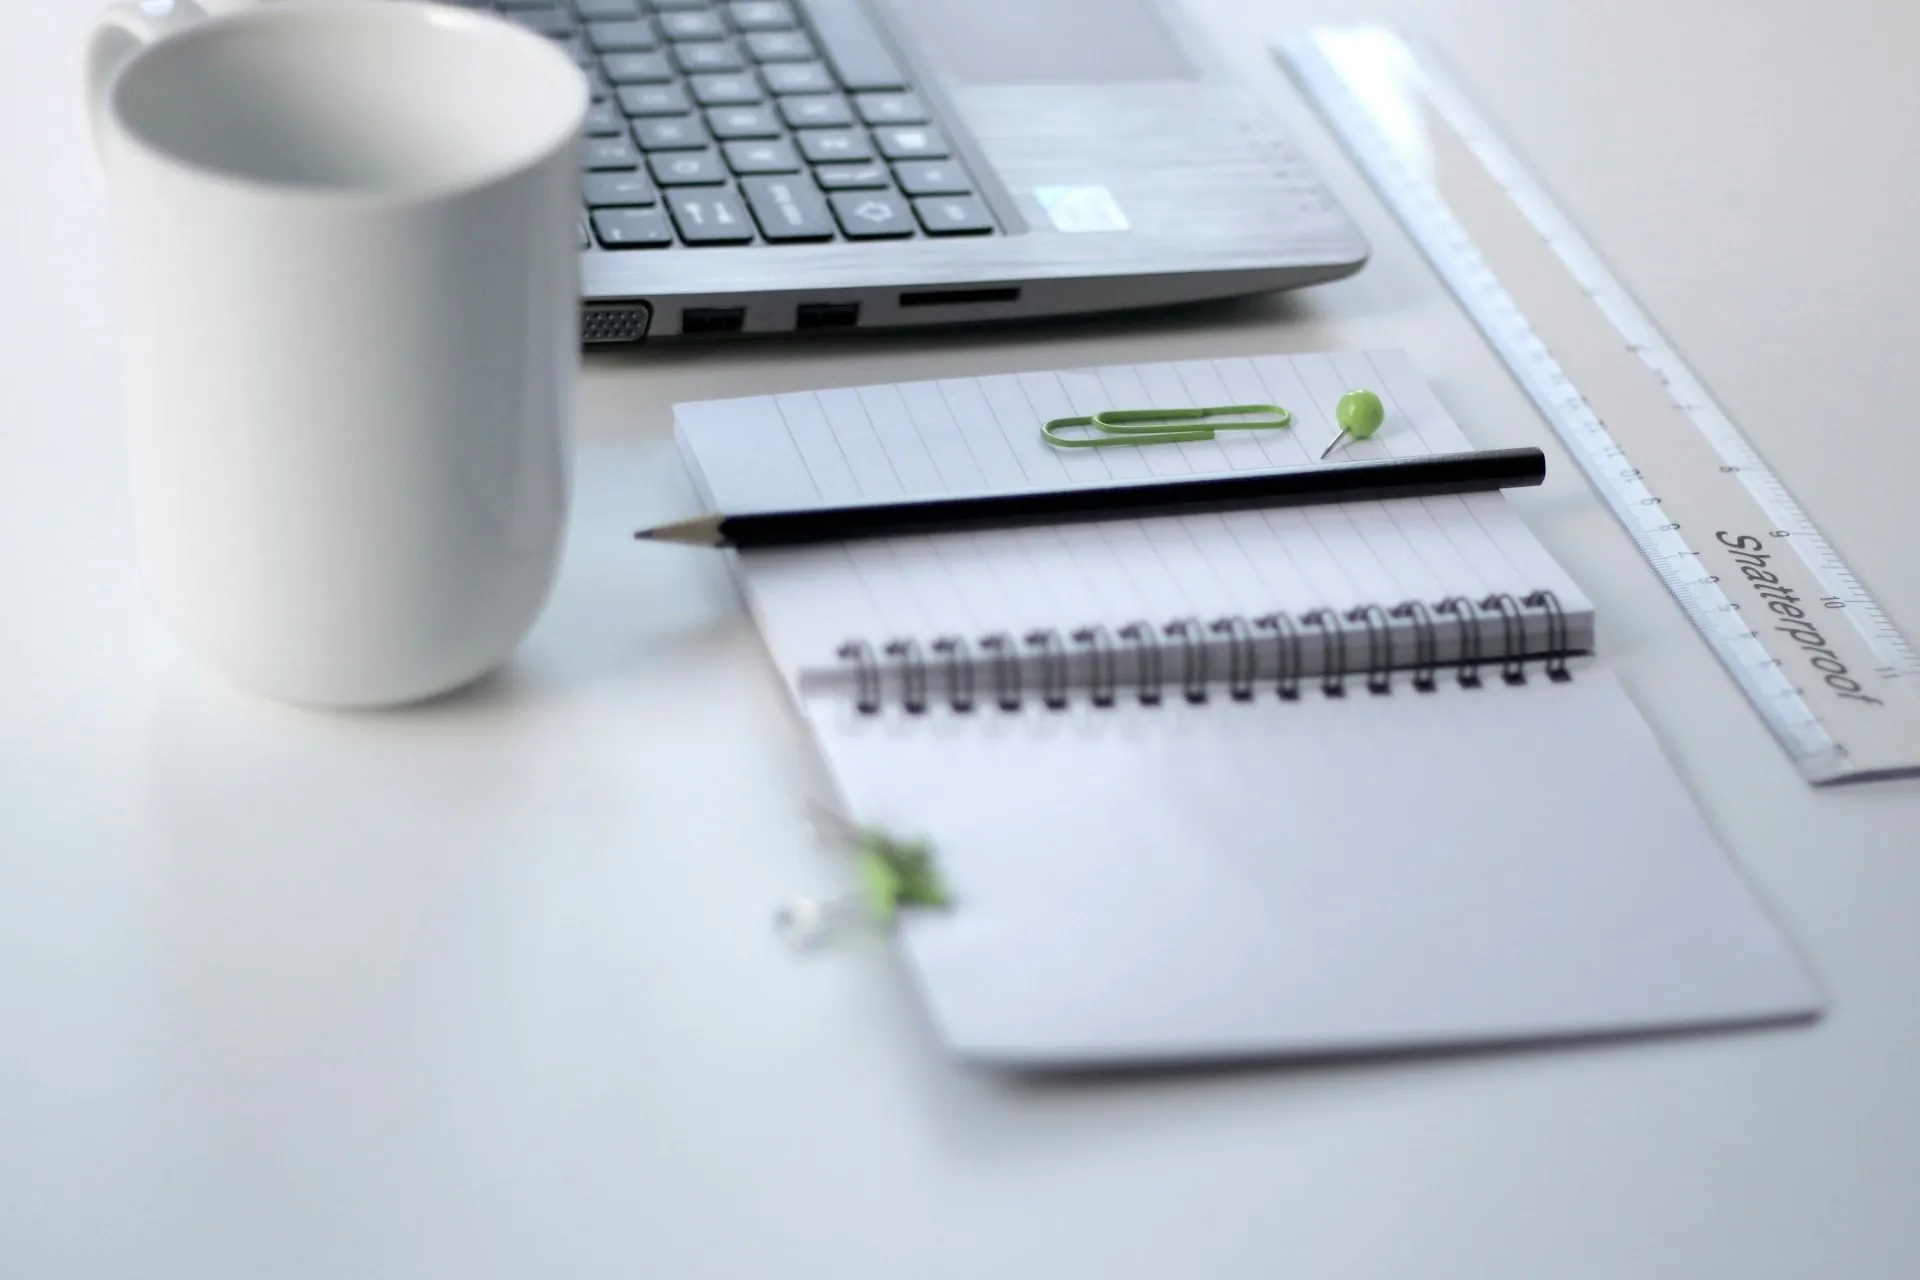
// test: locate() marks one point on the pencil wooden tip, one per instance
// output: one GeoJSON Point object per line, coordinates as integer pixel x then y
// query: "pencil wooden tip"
{"type": "Point", "coordinates": [701, 531]}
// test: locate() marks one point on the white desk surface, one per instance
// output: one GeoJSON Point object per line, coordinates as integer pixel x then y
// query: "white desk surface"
{"type": "Point", "coordinates": [487, 989]}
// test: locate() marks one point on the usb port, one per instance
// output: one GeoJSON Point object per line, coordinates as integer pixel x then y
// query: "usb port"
{"type": "Point", "coordinates": [827, 315]}
{"type": "Point", "coordinates": [713, 319]}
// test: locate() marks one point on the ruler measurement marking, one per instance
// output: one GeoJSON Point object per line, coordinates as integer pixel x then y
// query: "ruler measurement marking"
{"type": "Point", "coordinates": [1724, 494]}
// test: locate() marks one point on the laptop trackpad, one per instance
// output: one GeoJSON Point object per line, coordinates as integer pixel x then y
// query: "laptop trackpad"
{"type": "Point", "coordinates": [1043, 41]}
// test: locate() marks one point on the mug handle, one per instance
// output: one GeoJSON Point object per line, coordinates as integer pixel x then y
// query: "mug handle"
{"type": "Point", "coordinates": [118, 34]}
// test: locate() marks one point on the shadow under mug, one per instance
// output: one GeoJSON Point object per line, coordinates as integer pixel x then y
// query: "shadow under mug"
{"type": "Point", "coordinates": [345, 241]}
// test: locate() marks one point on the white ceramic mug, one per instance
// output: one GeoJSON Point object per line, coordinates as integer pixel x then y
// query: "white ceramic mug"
{"type": "Point", "coordinates": [346, 241]}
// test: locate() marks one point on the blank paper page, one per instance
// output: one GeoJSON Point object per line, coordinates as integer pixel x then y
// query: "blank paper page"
{"type": "Point", "coordinates": [1186, 882]}
{"type": "Point", "coordinates": [970, 435]}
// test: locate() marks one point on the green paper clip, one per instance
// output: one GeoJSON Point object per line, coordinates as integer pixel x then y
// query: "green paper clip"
{"type": "Point", "coordinates": [1159, 426]}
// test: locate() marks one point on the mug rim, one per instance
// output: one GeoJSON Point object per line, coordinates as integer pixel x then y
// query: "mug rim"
{"type": "Point", "coordinates": [489, 25]}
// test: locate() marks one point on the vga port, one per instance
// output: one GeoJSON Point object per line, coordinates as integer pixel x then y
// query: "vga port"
{"type": "Point", "coordinates": [604, 322]}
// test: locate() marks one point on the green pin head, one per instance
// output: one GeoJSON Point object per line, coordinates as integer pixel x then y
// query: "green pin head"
{"type": "Point", "coordinates": [1359, 413]}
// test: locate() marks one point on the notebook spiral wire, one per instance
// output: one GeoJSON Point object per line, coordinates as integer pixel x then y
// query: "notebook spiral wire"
{"type": "Point", "coordinates": [1356, 646]}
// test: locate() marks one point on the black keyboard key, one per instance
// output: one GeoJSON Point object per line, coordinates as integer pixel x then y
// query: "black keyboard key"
{"type": "Point", "coordinates": [574, 47]}
{"type": "Point", "coordinates": [695, 24]}
{"type": "Point", "coordinates": [654, 99]}
{"type": "Point", "coordinates": [815, 111]}
{"type": "Point", "coordinates": [953, 215]}
{"type": "Point", "coordinates": [762, 15]}
{"type": "Point", "coordinates": [618, 190]}
{"type": "Point", "coordinates": [834, 146]}
{"type": "Point", "coordinates": [604, 121]}
{"type": "Point", "coordinates": [710, 217]}
{"type": "Point", "coordinates": [850, 177]}
{"type": "Point", "coordinates": [788, 209]}
{"type": "Point", "coordinates": [608, 153]}
{"type": "Point", "coordinates": [872, 215]}
{"type": "Point", "coordinates": [742, 122]}
{"type": "Point", "coordinates": [910, 142]}
{"type": "Point", "coordinates": [637, 68]}
{"type": "Point", "coordinates": [853, 47]}
{"type": "Point", "coordinates": [670, 133]}
{"type": "Point", "coordinates": [725, 91]}
{"type": "Point", "coordinates": [932, 178]}
{"type": "Point", "coordinates": [633, 35]}
{"type": "Point", "coordinates": [797, 77]}
{"type": "Point", "coordinates": [670, 6]}
{"type": "Point", "coordinates": [761, 157]}
{"type": "Point", "coordinates": [547, 21]}
{"type": "Point", "coordinates": [708, 55]}
{"type": "Point", "coordinates": [891, 108]}
{"type": "Point", "coordinates": [779, 46]}
{"type": "Point", "coordinates": [686, 168]}
{"type": "Point", "coordinates": [632, 228]}
{"type": "Point", "coordinates": [594, 10]}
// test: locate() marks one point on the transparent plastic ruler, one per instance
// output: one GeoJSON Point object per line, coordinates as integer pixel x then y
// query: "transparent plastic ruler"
{"type": "Point", "coordinates": [1821, 662]}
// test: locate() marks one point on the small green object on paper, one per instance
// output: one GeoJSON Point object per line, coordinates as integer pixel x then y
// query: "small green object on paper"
{"type": "Point", "coordinates": [1358, 414]}
{"type": "Point", "coordinates": [897, 873]}
{"type": "Point", "coordinates": [1112, 427]}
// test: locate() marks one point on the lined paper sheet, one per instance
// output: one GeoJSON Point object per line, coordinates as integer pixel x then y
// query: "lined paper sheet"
{"type": "Point", "coordinates": [1178, 882]}
{"type": "Point", "coordinates": [968, 435]}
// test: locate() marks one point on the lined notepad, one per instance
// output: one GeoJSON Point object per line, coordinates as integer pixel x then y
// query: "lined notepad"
{"type": "Point", "coordinates": [1305, 781]}
{"type": "Point", "coordinates": [975, 434]}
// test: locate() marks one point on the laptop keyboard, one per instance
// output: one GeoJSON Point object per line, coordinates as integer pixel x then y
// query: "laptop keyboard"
{"type": "Point", "coordinates": [736, 122]}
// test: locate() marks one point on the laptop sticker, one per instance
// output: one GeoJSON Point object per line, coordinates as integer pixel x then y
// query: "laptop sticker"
{"type": "Point", "coordinates": [1082, 209]}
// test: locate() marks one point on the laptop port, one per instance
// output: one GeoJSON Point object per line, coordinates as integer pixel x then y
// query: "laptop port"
{"type": "Point", "coordinates": [614, 322]}
{"type": "Point", "coordinates": [960, 297]}
{"type": "Point", "coordinates": [713, 319]}
{"type": "Point", "coordinates": [827, 315]}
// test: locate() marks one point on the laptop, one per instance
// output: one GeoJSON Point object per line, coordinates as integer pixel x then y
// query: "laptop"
{"type": "Point", "coordinates": [766, 166]}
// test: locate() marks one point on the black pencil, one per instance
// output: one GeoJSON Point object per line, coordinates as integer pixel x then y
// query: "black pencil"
{"type": "Point", "coordinates": [1129, 499]}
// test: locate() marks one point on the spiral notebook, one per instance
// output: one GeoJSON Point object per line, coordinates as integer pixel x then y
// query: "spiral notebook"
{"type": "Point", "coordinates": [1308, 781]}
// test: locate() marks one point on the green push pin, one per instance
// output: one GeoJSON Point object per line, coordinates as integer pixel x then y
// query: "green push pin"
{"type": "Point", "coordinates": [894, 873]}
{"type": "Point", "coordinates": [898, 873]}
{"type": "Point", "coordinates": [1359, 414]}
